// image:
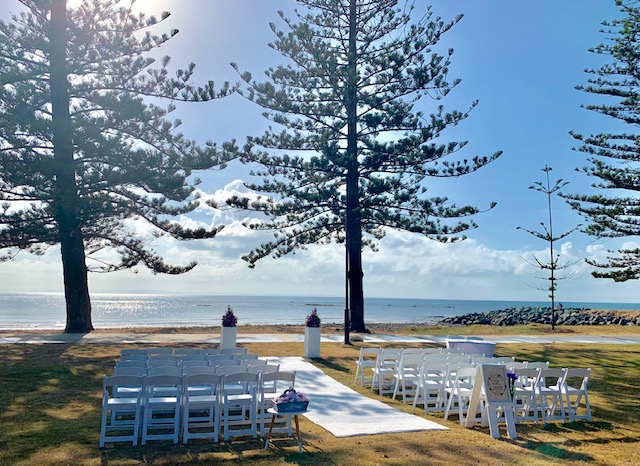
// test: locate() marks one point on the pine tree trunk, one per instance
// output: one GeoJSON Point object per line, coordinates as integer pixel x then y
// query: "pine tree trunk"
{"type": "Point", "coordinates": [65, 198]}
{"type": "Point", "coordinates": [353, 221]}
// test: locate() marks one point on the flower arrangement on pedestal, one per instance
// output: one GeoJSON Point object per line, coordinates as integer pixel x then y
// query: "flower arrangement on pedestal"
{"type": "Point", "coordinates": [313, 319]}
{"type": "Point", "coordinates": [312, 335]}
{"type": "Point", "coordinates": [229, 319]}
{"type": "Point", "coordinates": [229, 329]}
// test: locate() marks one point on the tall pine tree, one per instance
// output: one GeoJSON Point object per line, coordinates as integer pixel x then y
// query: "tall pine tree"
{"type": "Point", "coordinates": [84, 151]}
{"type": "Point", "coordinates": [614, 157]}
{"type": "Point", "coordinates": [357, 143]}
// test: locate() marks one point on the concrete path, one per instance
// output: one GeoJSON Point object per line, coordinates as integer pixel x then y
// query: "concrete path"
{"type": "Point", "coordinates": [176, 338]}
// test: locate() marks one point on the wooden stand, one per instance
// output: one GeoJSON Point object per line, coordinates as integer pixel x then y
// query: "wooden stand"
{"type": "Point", "coordinates": [274, 414]}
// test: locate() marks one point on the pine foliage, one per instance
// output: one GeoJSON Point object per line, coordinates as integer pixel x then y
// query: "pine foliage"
{"type": "Point", "coordinates": [129, 160]}
{"type": "Point", "coordinates": [615, 157]}
{"type": "Point", "coordinates": [303, 154]}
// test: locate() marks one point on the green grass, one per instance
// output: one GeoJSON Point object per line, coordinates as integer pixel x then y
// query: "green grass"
{"type": "Point", "coordinates": [50, 415]}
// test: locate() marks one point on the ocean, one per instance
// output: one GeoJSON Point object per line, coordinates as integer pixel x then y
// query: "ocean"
{"type": "Point", "coordinates": [46, 311]}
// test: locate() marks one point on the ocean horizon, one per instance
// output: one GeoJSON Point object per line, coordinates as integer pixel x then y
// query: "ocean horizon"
{"type": "Point", "coordinates": [46, 311]}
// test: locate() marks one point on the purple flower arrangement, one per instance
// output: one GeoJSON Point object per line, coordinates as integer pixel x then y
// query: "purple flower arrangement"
{"type": "Point", "coordinates": [313, 320]}
{"type": "Point", "coordinates": [229, 319]}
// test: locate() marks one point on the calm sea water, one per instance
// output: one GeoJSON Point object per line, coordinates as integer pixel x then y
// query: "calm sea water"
{"type": "Point", "coordinates": [47, 310]}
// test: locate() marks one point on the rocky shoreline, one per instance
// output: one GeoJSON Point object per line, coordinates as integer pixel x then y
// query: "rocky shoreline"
{"type": "Point", "coordinates": [542, 315]}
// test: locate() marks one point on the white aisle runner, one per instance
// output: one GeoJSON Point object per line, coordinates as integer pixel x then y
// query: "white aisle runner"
{"type": "Point", "coordinates": [343, 411]}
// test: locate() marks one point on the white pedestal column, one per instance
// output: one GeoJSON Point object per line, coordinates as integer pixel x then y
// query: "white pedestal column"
{"type": "Point", "coordinates": [312, 342]}
{"type": "Point", "coordinates": [228, 337]}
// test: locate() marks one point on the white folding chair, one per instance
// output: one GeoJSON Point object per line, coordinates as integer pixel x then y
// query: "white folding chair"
{"type": "Point", "coordinates": [162, 402]}
{"type": "Point", "coordinates": [201, 406]}
{"type": "Point", "coordinates": [384, 370]}
{"type": "Point", "coordinates": [239, 410]}
{"type": "Point", "coordinates": [549, 393]}
{"type": "Point", "coordinates": [430, 386]}
{"type": "Point", "coordinates": [272, 384]}
{"type": "Point", "coordinates": [525, 399]}
{"type": "Point", "coordinates": [366, 363]}
{"type": "Point", "coordinates": [459, 395]}
{"type": "Point", "coordinates": [406, 376]}
{"type": "Point", "coordinates": [574, 389]}
{"type": "Point", "coordinates": [119, 413]}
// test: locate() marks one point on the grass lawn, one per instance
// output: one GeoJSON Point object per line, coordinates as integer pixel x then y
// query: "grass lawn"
{"type": "Point", "coordinates": [51, 394]}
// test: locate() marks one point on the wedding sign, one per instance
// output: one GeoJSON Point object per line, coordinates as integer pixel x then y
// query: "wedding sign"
{"type": "Point", "coordinates": [491, 380]}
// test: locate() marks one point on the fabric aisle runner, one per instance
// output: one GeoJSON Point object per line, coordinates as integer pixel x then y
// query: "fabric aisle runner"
{"type": "Point", "coordinates": [343, 411]}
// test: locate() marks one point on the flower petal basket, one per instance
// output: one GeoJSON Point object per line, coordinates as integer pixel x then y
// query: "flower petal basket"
{"type": "Point", "coordinates": [292, 406]}
{"type": "Point", "coordinates": [291, 401]}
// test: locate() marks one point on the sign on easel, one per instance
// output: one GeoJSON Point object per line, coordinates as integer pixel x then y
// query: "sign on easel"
{"type": "Point", "coordinates": [493, 378]}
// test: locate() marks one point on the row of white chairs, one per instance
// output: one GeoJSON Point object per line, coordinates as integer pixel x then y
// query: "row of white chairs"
{"type": "Point", "coordinates": [180, 351]}
{"type": "Point", "coordinates": [430, 377]}
{"type": "Point", "coordinates": [259, 366]}
{"type": "Point", "coordinates": [190, 360]}
{"type": "Point", "coordinates": [200, 405]}
{"type": "Point", "coordinates": [546, 394]}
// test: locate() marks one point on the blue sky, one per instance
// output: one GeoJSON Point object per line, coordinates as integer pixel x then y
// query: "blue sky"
{"type": "Point", "coordinates": [521, 60]}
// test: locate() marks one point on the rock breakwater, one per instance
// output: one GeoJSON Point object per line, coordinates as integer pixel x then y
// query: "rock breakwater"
{"type": "Point", "coordinates": [542, 315]}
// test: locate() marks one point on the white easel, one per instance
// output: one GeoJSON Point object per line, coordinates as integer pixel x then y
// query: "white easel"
{"type": "Point", "coordinates": [493, 378]}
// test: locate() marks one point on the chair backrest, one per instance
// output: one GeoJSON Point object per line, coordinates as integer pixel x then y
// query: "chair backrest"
{"type": "Point", "coordinates": [526, 376]}
{"type": "Point", "coordinates": [410, 361]}
{"type": "Point", "coordinates": [215, 358]}
{"type": "Point", "coordinates": [142, 352]}
{"type": "Point", "coordinates": [277, 382]}
{"type": "Point", "coordinates": [368, 352]}
{"type": "Point", "coordinates": [244, 356]}
{"type": "Point", "coordinates": [212, 382]}
{"type": "Point", "coordinates": [162, 382]}
{"type": "Point", "coordinates": [482, 360]}
{"type": "Point", "coordinates": [187, 351]}
{"type": "Point", "coordinates": [230, 369]}
{"type": "Point", "coordinates": [465, 377]}
{"type": "Point", "coordinates": [435, 371]}
{"type": "Point", "coordinates": [132, 363]}
{"type": "Point", "coordinates": [512, 366]}
{"type": "Point", "coordinates": [162, 360]}
{"type": "Point", "coordinates": [160, 350]}
{"type": "Point", "coordinates": [164, 370]}
{"type": "Point", "coordinates": [236, 350]}
{"type": "Point", "coordinates": [576, 377]}
{"type": "Point", "coordinates": [248, 380]}
{"type": "Point", "coordinates": [263, 368]}
{"type": "Point", "coordinates": [506, 360]}
{"type": "Point", "coordinates": [194, 363]}
{"type": "Point", "coordinates": [538, 364]}
{"type": "Point", "coordinates": [137, 371]}
{"type": "Point", "coordinates": [111, 383]}
{"type": "Point", "coordinates": [549, 377]}
{"type": "Point", "coordinates": [193, 370]}
{"type": "Point", "coordinates": [388, 357]}
{"type": "Point", "coordinates": [211, 351]}
{"type": "Point", "coordinates": [193, 357]}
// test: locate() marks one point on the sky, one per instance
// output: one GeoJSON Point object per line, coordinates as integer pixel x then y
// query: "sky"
{"type": "Point", "coordinates": [521, 60]}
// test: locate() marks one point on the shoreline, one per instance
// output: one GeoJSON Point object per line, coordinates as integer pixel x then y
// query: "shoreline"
{"type": "Point", "coordinates": [335, 328]}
